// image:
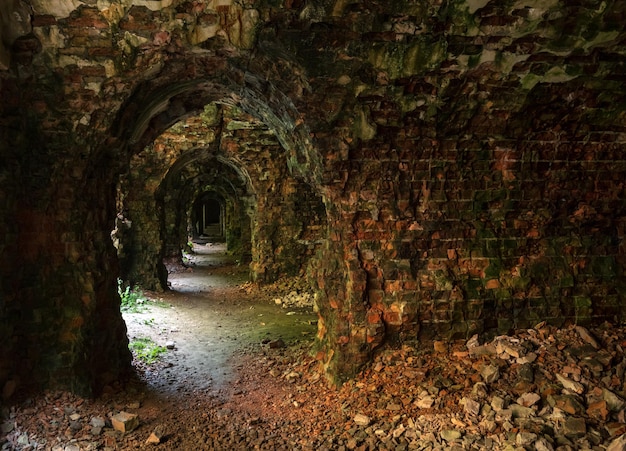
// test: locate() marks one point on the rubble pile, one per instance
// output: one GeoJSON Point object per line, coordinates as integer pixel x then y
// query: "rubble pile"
{"type": "Point", "coordinates": [543, 389]}
{"type": "Point", "coordinates": [287, 292]}
{"type": "Point", "coordinates": [295, 299]}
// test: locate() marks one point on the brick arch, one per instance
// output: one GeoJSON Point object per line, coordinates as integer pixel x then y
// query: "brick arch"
{"type": "Point", "coordinates": [347, 334]}
{"type": "Point", "coordinates": [155, 194]}
{"type": "Point", "coordinates": [158, 103]}
{"type": "Point", "coordinates": [182, 186]}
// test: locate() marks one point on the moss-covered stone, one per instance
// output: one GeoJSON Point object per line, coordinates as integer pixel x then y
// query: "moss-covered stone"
{"type": "Point", "coordinates": [583, 309]}
{"type": "Point", "coordinates": [402, 61]}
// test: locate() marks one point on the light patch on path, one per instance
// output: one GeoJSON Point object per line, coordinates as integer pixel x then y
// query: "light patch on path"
{"type": "Point", "coordinates": [209, 316]}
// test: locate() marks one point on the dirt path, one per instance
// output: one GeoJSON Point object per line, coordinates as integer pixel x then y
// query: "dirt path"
{"type": "Point", "coordinates": [210, 313]}
{"type": "Point", "coordinates": [198, 395]}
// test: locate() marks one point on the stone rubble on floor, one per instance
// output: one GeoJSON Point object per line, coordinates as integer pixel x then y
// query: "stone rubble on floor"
{"type": "Point", "coordinates": [125, 422]}
{"type": "Point", "coordinates": [286, 292]}
{"type": "Point", "coordinates": [544, 389]}
{"type": "Point", "coordinates": [295, 299]}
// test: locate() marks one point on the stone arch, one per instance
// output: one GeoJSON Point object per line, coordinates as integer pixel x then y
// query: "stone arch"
{"type": "Point", "coordinates": [158, 103]}
{"type": "Point", "coordinates": [207, 217]}
{"type": "Point", "coordinates": [185, 183]}
{"type": "Point", "coordinates": [350, 328]}
{"type": "Point", "coordinates": [158, 192]}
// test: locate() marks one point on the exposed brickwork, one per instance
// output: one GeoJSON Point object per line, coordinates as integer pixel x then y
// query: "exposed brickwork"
{"type": "Point", "coordinates": [454, 167]}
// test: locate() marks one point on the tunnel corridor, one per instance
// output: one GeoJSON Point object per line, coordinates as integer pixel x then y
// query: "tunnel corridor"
{"type": "Point", "coordinates": [210, 312]}
{"type": "Point", "coordinates": [207, 218]}
{"type": "Point", "coordinates": [268, 217]}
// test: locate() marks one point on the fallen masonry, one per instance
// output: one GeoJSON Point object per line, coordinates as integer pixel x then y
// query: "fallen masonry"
{"type": "Point", "coordinates": [543, 388]}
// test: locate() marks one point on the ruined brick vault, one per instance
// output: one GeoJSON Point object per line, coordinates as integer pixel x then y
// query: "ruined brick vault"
{"type": "Point", "coordinates": [434, 168]}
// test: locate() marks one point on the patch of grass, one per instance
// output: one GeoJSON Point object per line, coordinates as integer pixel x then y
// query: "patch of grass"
{"type": "Point", "coordinates": [146, 350]}
{"type": "Point", "coordinates": [132, 300]}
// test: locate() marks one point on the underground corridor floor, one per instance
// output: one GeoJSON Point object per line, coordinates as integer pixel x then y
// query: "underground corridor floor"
{"type": "Point", "coordinates": [239, 373]}
{"type": "Point", "coordinates": [210, 313]}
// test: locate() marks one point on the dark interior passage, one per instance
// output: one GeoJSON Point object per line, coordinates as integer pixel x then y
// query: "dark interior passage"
{"type": "Point", "coordinates": [208, 219]}
{"type": "Point", "coordinates": [219, 176]}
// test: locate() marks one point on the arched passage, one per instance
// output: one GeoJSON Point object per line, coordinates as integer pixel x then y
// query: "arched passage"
{"type": "Point", "coordinates": [224, 95]}
{"type": "Point", "coordinates": [207, 218]}
{"type": "Point", "coordinates": [242, 161]}
{"type": "Point", "coordinates": [228, 159]}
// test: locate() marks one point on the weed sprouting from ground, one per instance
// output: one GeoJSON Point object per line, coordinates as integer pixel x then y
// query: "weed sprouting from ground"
{"type": "Point", "coordinates": [132, 299]}
{"type": "Point", "coordinates": [146, 350]}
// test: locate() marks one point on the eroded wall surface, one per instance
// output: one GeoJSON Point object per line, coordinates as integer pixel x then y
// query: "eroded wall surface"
{"type": "Point", "coordinates": [469, 156]}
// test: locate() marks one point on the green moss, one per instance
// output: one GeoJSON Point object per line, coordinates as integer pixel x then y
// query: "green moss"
{"type": "Point", "coordinates": [460, 15]}
{"type": "Point", "coordinates": [146, 350]}
{"type": "Point", "coordinates": [424, 56]}
{"type": "Point", "coordinates": [211, 114]}
{"type": "Point", "coordinates": [442, 280]}
{"type": "Point", "coordinates": [582, 309]}
{"type": "Point", "coordinates": [400, 60]}
{"type": "Point", "coordinates": [362, 128]}
{"type": "Point", "coordinates": [604, 267]}
{"type": "Point", "coordinates": [529, 81]}
{"type": "Point", "coordinates": [387, 57]}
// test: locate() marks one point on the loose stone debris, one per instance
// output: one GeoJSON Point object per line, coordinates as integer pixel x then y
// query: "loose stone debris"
{"type": "Point", "coordinates": [125, 422]}
{"type": "Point", "coordinates": [545, 389]}
{"type": "Point", "coordinates": [288, 292]}
{"type": "Point", "coordinates": [156, 436]}
{"type": "Point", "coordinates": [295, 299]}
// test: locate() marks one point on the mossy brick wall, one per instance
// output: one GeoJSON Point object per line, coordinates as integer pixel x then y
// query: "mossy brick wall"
{"type": "Point", "coordinates": [469, 156]}
{"type": "Point", "coordinates": [474, 161]}
{"type": "Point", "coordinates": [288, 218]}
{"type": "Point", "coordinates": [497, 236]}
{"type": "Point", "coordinates": [59, 311]}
